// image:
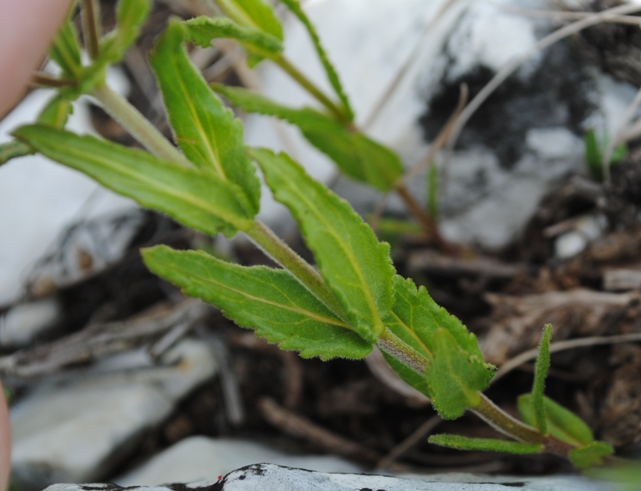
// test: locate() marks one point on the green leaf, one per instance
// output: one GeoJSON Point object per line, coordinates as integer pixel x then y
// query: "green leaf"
{"type": "Point", "coordinates": [202, 30]}
{"type": "Point", "coordinates": [409, 376]}
{"type": "Point", "coordinates": [355, 266]}
{"type": "Point", "coordinates": [540, 374]}
{"type": "Point", "coordinates": [593, 155]}
{"type": "Point", "coordinates": [270, 301]}
{"type": "Point", "coordinates": [456, 370]}
{"type": "Point", "coordinates": [196, 198]}
{"type": "Point", "coordinates": [12, 150]}
{"type": "Point", "coordinates": [55, 114]}
{"type": "Point", "coordinates": [622, 476]}
{"type": "Point", "coordinates": [485, 444]}
{"type": "Point", "coordinates": [206, 131]}
{"type": "Point", "coordinates": [257, 14]}
{"type": "Point", "coordinates": [65, 50]}
{"type": "Point", "coordinates": [619, 153]}
{"type": "Point", "coordinates": [591, 455]}
{"type": "Point", "coordinates": [562, 423]}
{"type": "Point", "coordinates": [356, 155]}
{"type": "Point", "coordinates": [130, 16]}
{"type": "Point", "coordinates": [332, 75]}
{"type": "Point", "coordinates": [455, 377]}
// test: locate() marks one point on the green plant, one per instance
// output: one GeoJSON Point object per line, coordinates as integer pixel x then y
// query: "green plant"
{"type": "Point", "coordinates": [355, 300]}
{"type": "Point", "coordinates": [594, 154]}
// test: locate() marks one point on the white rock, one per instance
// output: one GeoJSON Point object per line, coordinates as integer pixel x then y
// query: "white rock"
{"type": "Point", "coordinates": [78, 431]}
{"type": "Point", "coordinates": [263, 477]}
{"type": "Point", "coordinates": [20, 324]}
{"type": "Point", "coordinates": [508, 159]}
{"type": "Point", "coordinates": [584, 230]}
{"type": "Point", "coordinates": [39, 198]}
{"type": "Point", "coordinates": [200, 458]}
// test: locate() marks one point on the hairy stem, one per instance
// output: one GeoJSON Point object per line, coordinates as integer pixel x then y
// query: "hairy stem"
{"type": "Point", "coordinates": [280, 252]}
{"type": "Point", "coordinates": [395, 347]}
{"type": "Point", "coordinates": [506, 424]}
{"type": "Point", "coordinates": [139, 127]}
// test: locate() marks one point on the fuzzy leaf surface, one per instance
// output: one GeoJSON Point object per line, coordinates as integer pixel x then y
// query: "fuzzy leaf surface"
{"type": "Point", "coordinates": [295, 7]}
{"type": "Point", "coordinates": [540, 374]}
{"type": "Point", "coordinates": [268, 300]}
{"type": "Point", "coordinates": [591, 455]}
{"type": "Point", "coordinates": [203, 30]}
{"type": "Point", "coordinates": [355, 154]}
{"type": "Point", "coordinates": [562, 423]}
{"type": "Point", "coordinates": [455, 377]}
{"type": "Point", "coordinates": [355, 266]}
{"type": "Point", "coordinates": [485, 444]}
{"type": "Point", "coordinates": [196, 198]}
{"type": "Point", "coordinates": [205, 130]}
{"type": "Point", "coordinates": [456, 371]}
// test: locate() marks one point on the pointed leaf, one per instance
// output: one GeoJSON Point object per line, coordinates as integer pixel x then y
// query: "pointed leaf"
{"type": "Point", "coordinates": [270, 301]}
{"type": "Point", "coordinates": [197, 199]}
{"type": "Point", "coordinates": [202, 30]}
{"type": "Point", "coordinates": [485, 444]}
{"type": "Point", "coordinates": [130, 16]}
{"type": "Point", "coordinates": [256, 14]}
{"type": "Point", "coordinates": [356, 155]}
{"type": "Point", "coordinates": [454, 377]}
{"type": "Point", "coordinates": [540, 374]}
{"type": "Point", "coordinates": [355, 266]}
{"type": "Point", "coordinates": [295, 8]}
{"type": "Point", "coordinates": [591, 455]}
{"type": "Point", "coordinates": [206, 131]}
{"type": "Point", "coordinates": [562, 423]}
{"type": "Point", "coordinates": [456, 370]}
{"type": "Point", "coordinates": [65, 50]}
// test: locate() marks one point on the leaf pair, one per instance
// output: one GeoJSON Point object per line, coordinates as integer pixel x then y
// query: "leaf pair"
{"type": "Point", "coordinates": [353, 264]}
{"type": "Point", "coordinates": [220, 193]}
{"type": "Point", "coordinates": [255, 27]}
{"type": "Point", "coordinates": [550, 418]}
{"type": "Point", "coordinates": [455, 370]}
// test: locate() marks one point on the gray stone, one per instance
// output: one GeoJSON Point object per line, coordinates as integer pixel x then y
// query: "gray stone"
{"type": "Point", "coordinates": [270, 477]}
{"type": "Point", "coordinates": [200, 458]}
{"type": "Point", "coordinates": [78, 431]}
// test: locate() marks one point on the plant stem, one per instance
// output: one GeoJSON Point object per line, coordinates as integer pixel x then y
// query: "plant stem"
{"type": "Point", "coordinates": [47, 81]}
{"type": "Point", "coordinates": [506, 424]}
{"type": "Point", "coordinates": [140, 128]}
{"type": "Point", "coordinates": [426, 222]}
{"type": "Point", "coordinates": [91, 27]}
{"type": "Point", "coordinates": [280, 252]}
{"type": "Point", "coordinates": [395, 347]}
{"type": "Point", "coordinates": [312, 88]}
